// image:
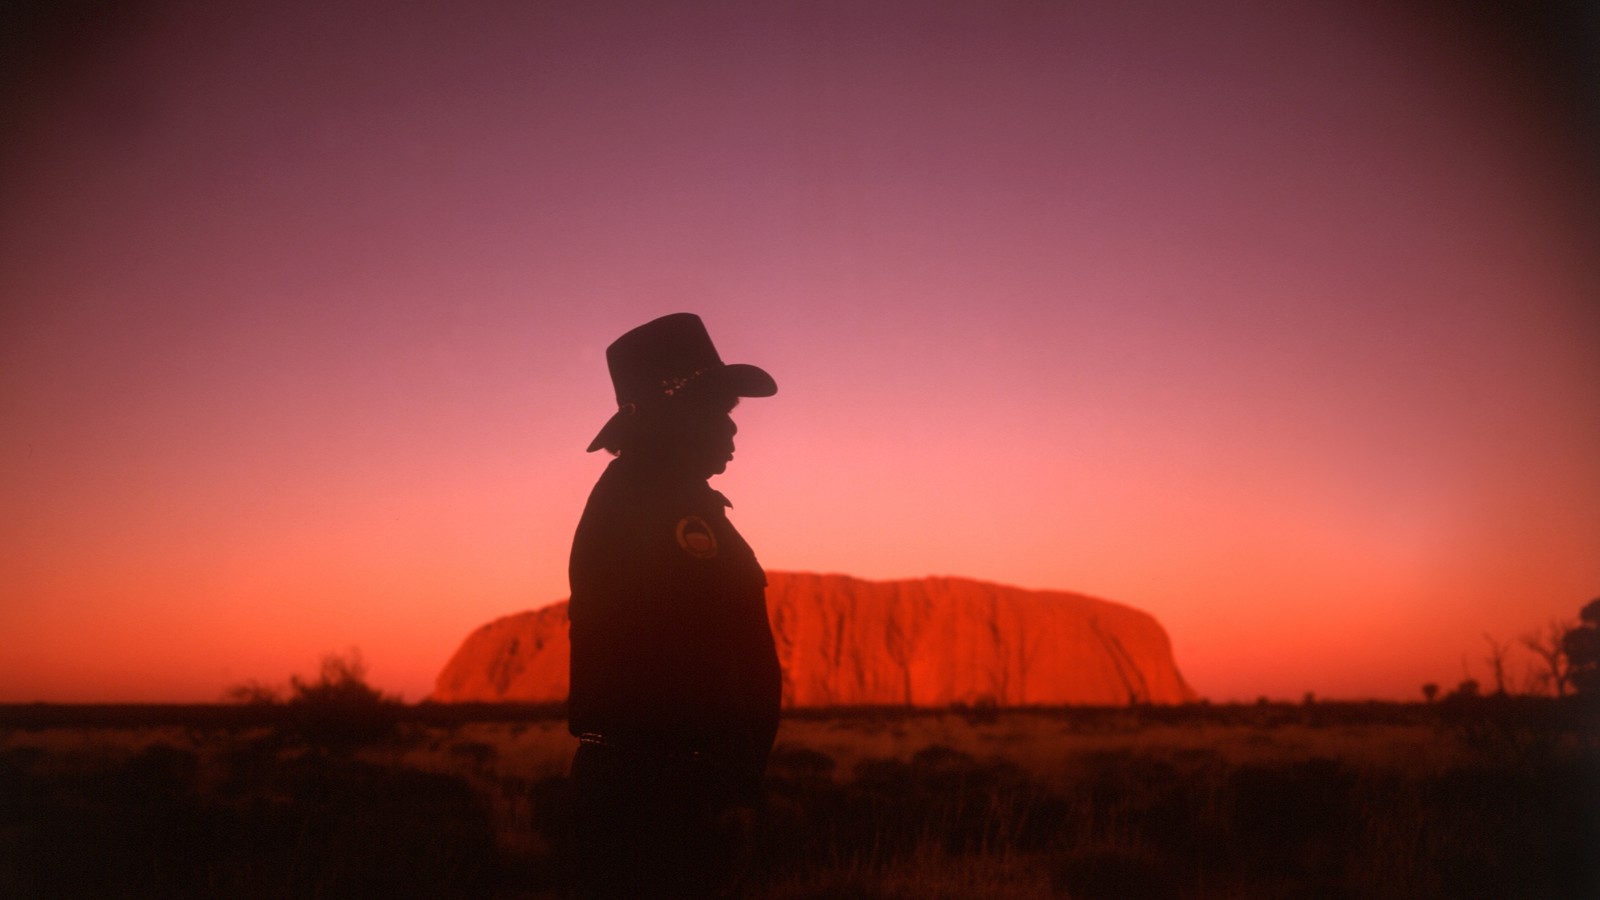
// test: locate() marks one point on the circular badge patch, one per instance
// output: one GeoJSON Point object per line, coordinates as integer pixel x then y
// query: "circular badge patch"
{"type": "Point", "coordinates": [696, 538]}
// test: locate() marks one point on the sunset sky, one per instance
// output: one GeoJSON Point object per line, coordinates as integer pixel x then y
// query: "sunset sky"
{"type": "Point", "coordinates": [1278, 321]}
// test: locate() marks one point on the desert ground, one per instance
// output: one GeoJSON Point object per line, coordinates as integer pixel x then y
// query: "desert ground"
{"type": "Point", "coordinates": [1497, 797]}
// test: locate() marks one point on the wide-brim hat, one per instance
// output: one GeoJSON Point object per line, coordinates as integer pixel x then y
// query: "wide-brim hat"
{"type": "Point", "coordinates": [664, 357]}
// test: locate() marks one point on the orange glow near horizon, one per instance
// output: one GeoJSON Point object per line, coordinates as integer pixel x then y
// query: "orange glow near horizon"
{"type": "Point", "coordinates": [1278, 324]}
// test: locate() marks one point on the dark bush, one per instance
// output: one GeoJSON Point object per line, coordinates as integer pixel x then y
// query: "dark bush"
{"type": "Point", "coordinates": [339, 711]}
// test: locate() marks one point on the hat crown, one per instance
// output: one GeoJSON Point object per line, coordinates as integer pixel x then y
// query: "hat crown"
{"type": "Point", "coordinates": [660, 356]}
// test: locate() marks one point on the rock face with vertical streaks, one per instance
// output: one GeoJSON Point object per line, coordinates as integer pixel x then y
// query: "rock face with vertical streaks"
{"type": "Point", "coordinates": [845, 641]}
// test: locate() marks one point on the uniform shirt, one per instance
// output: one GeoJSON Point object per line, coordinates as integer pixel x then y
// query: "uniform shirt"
{"type": "Point", "coordinates": [671, 646]}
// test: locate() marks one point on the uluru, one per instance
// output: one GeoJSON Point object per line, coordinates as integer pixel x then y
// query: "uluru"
{"type": "Point", "coordinates": [844, 641]}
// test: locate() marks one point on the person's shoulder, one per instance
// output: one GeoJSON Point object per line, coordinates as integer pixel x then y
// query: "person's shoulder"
{"type": "Point", "coordinates": [630, 498]}
{"type": "Point", "coordinates": [644, 484]}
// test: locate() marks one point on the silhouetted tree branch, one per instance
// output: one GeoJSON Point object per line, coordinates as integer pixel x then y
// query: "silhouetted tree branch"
{"type": "Point", "coordinates": [1546, 644]}
{"type": "Point", "coordinates": [1582, 647]}
{"type": "Point", "coordinates": [1497, 662]}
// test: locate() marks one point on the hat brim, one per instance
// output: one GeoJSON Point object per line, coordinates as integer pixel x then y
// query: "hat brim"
{"type": "Point", "coordinates": [742, 379]}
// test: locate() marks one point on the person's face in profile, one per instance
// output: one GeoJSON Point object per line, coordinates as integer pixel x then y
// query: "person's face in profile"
{"type": "Point", "coordinates": [704, 431]}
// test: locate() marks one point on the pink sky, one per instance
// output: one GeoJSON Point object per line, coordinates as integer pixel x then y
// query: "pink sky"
{"type": "Point", "coordinates": [1278, 323]}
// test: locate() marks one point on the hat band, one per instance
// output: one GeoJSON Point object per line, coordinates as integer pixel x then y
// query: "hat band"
{"type": "Point", "coordinates": [670, 386]}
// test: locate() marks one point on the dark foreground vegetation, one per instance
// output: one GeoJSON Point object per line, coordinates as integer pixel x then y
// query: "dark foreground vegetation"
{"type": "Point", "coordinates": [1489, 797]}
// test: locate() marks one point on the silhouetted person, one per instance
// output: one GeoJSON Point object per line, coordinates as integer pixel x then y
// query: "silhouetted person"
{"type": "Point", "coordinates": [675, 682]}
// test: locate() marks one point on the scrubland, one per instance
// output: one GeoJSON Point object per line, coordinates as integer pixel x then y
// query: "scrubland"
{"type": "Point", "coordinates": [1482, 799]}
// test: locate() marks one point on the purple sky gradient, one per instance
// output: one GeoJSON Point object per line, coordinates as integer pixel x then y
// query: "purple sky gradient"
{"type": "Point", "coordinates": [1277, 322]}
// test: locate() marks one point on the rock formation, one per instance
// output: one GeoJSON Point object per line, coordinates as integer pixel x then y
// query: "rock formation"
{"type": "Point", "coordinates": [844, 641]}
